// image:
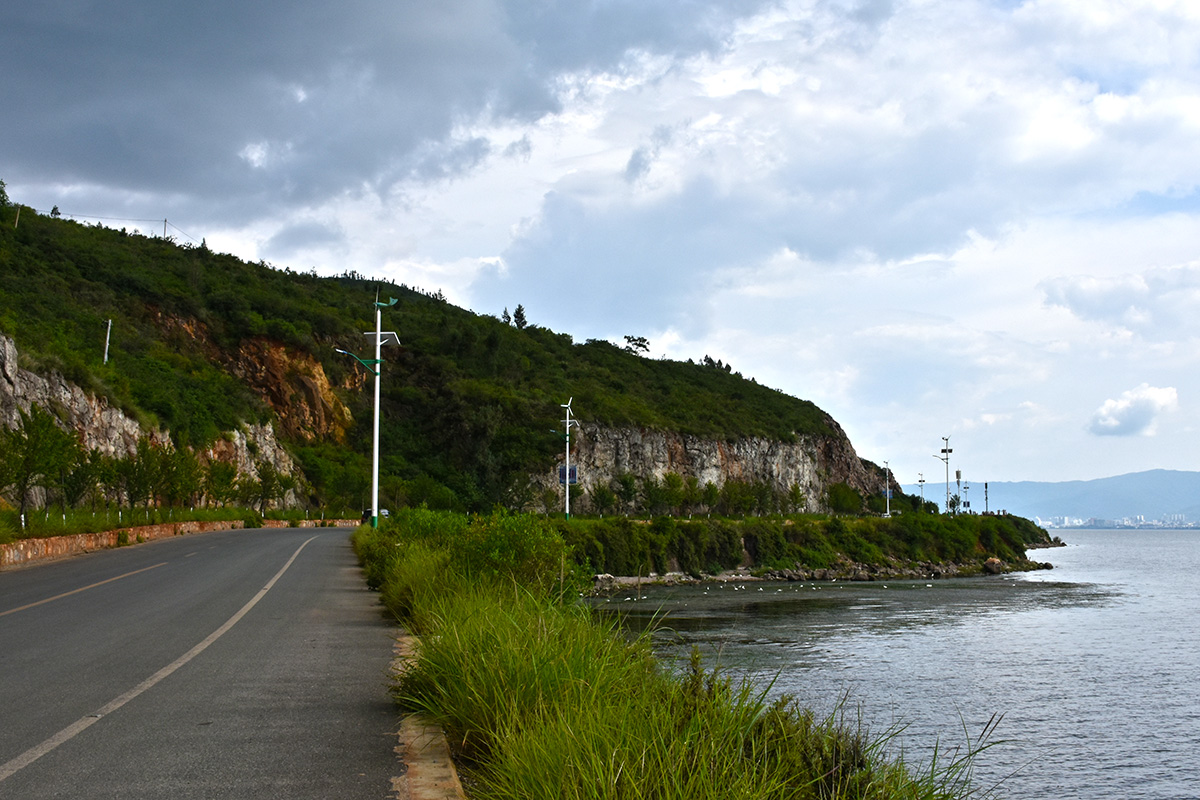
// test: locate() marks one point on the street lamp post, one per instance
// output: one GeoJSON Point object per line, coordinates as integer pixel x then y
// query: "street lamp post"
{"type": "Point", "coordinates": [945, 458]}
{"type": "Point", "coordinates": [887, 489]}
{"type": "Point", "coordinates": [567, 461]}
{"type": "Point", "coordinates": [375, 367]}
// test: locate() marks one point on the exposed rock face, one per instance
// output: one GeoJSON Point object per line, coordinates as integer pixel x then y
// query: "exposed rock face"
{"type": "Point", "coordinates": [248, 446]}
{"type": "Point", "coordinates": [102, 427]}
{"type": "Point", "coordinates": [295, 386]}
{"type": "Point", "coordinates": [99, 425]}
{"type": "Point", "coordinates": [812, 463]}
{"type": "Point", "coordinates": [291, 382]}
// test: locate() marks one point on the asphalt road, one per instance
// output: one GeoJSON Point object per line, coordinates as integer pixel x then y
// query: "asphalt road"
{"type": "Point", "coordinates": [240, 664]}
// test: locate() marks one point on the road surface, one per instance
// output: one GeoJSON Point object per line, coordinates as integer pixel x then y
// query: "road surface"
{"type": "Point", "coordinates": [239, 664]}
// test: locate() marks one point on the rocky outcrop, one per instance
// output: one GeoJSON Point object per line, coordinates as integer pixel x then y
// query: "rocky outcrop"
{"type": "Point", "coordinates": [99, 425]}
{"type": "Point", "coordinates": [290, 382]}
{"type": "Point", "coordinates": [812, 463]}
{"type": "Point", "coordinates": [296, 388]}
{"type": "Point", "coordinates": [249, 446]}
{"type": "Point", "coordinates": [103, 427]}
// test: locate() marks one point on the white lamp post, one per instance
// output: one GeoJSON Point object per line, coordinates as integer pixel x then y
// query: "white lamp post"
{"type": "Point", "coordinates": [567, 474]}
{"type": "Point", "coordinates": [945, 458]}
{"type": "Point", "coordinates": [887, 489]}
{"type": "Point", "coordinates": [375, 367]}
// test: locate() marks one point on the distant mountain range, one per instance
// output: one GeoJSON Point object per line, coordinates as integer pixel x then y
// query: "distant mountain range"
{"type": "Point", "coordinates": [1158, 494]}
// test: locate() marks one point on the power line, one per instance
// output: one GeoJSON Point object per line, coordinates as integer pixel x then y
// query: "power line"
{"type": "Point", "coordinates": [166, 223]}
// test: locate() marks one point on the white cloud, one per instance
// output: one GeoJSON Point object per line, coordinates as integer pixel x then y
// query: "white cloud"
{"type": "Point", "coordinates": [1135, 412]}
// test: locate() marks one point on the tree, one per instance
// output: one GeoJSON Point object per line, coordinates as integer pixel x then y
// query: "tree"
{"type": "Point", "coordinates": [506, 318]}
{"type": "Point", "coordinates": [55, 213]}
{"type": "Point", "coordinates": [519, 316]}
{"type": "Point", "coordinates": [603, 499]}
{"type": "Point", "coordinates": [843, 499]}
{"type": "Point", "coordinates": [36, 453]}
{"type": "Point", "coordinates": [267, 487]}
{"type": "Point", "coordinates": [626, 488]}
{"type": "Point", "coordinates": [637, 344]}
{"type": "Point", "coordinates": [141, 473]}
{"type": "Point", "coordinates": [673, 492]}
{"type": "Point", "coordinates": [691, 493]}
{"type": "Point", "coordinates": [795, 499]}
{"type": "Point", "coordinates": [3, 195]}
{"type": "Point", "coordinates": [220, 478]}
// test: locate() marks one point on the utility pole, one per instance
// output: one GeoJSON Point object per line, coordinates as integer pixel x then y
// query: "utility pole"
{"type": "Point", "coordinates": [887, 489]}
{"type": "Point", "coordinates": [107, 337]}
{"type": "Point", "coordinates": [375, 367]}
{"type": "Point", "coordinates": [945, 458]}
{"type": "Point", "coordinates": [921, 483]}
{"type": "Point", "coordinates": [567, 461]}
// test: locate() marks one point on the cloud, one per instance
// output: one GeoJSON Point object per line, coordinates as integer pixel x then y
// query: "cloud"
{"type": "Point", "coordinates": [1135, 412]}
{"type": "Point", "coordinates": [1158, 303]}
{"type": "Point", "coordinates": [297, 238]}
{"type": "Point", "coordinates": [966, 217]}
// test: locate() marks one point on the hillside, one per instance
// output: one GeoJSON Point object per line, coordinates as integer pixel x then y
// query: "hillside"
{"type": "Point", "coordinates": [202, 343]}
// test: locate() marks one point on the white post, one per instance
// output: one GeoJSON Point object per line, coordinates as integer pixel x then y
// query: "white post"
{"type": "Point", "coordinates": [375, 455]}
{"type": "Point", "coordinates": [107, 336]}
{"type": "Point", "coordinates": [887, 489]}
{"type": "Point", "coordinates": [567, 461]}
{"type": "Point", "coordinates": [947, 451]}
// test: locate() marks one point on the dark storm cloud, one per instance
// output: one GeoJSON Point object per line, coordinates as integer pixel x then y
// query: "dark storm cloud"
{"type": "Point", "coordinates": [166, 98]}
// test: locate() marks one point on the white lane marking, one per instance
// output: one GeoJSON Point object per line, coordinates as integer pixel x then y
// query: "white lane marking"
{"type": "Point", "coordinates": [79, 726]}
{"type": "Point", "coordinates": [80, 589]}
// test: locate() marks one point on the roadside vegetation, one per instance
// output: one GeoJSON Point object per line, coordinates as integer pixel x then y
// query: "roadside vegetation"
{"type": "Point", "coordinates": [541, 698]}
{"type": "Point", "coordinates": [623, 546]}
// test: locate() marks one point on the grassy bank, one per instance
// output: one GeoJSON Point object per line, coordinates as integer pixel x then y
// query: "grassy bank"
{"type": "Point", "coordinates": [543, 700]}
{"type": "Point", "coordinates": [620, 546]}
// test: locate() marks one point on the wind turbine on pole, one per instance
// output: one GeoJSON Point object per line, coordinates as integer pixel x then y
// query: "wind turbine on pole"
{"type": "Point", "coordinates": [375, 367]}
{"type": "Point", "coordinates": [567, 466]}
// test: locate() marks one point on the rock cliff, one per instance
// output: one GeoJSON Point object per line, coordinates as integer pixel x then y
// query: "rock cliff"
{"type": "Point", "coordinates": [291, 383]}
{"type": "Point", "coordinates": [812, 463]}
{"type": "Point", "coordinates": [103, 427]}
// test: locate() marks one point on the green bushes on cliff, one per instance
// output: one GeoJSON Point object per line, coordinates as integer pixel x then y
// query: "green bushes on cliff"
{"type": "Point", "coordinates": [621, 546]}
{"type": "Point", "coordinates": [541, 699]}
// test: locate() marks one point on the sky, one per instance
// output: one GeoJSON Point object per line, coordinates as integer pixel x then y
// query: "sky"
{"type": "Point", "coordinates": [937, 218]}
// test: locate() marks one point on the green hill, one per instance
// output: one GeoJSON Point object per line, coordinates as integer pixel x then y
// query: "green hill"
{"type": "Point", "coordinates": [202, 342]}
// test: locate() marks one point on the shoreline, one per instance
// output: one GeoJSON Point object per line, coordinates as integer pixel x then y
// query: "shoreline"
{"type": "Point", "coordinates": [850, 571]}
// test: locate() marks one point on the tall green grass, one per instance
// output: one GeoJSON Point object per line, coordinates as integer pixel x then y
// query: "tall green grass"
{"type": "Point", "coordinates": [543, 700]}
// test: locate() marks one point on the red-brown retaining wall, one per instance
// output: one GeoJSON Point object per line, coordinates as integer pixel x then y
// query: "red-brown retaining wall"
{"type": "Point", "coordinates": [25, 551]}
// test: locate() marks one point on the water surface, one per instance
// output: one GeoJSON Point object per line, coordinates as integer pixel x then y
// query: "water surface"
{"type": "Point", "coordinates": [1093, 665]}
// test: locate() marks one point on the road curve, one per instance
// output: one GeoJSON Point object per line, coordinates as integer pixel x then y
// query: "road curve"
{"type": "Point", "coordinates": [239, 664]}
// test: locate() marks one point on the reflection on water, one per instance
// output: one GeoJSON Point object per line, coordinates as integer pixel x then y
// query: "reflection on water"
{"type": "Point", "coordinates": [1091, 664]}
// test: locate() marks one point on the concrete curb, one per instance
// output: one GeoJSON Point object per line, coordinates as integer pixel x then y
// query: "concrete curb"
{"type": "Point", "coordinates": [429, 772]}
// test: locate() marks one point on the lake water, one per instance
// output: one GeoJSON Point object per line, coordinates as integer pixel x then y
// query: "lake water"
{"type": "Point", "coordinates": [1093, 665]}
